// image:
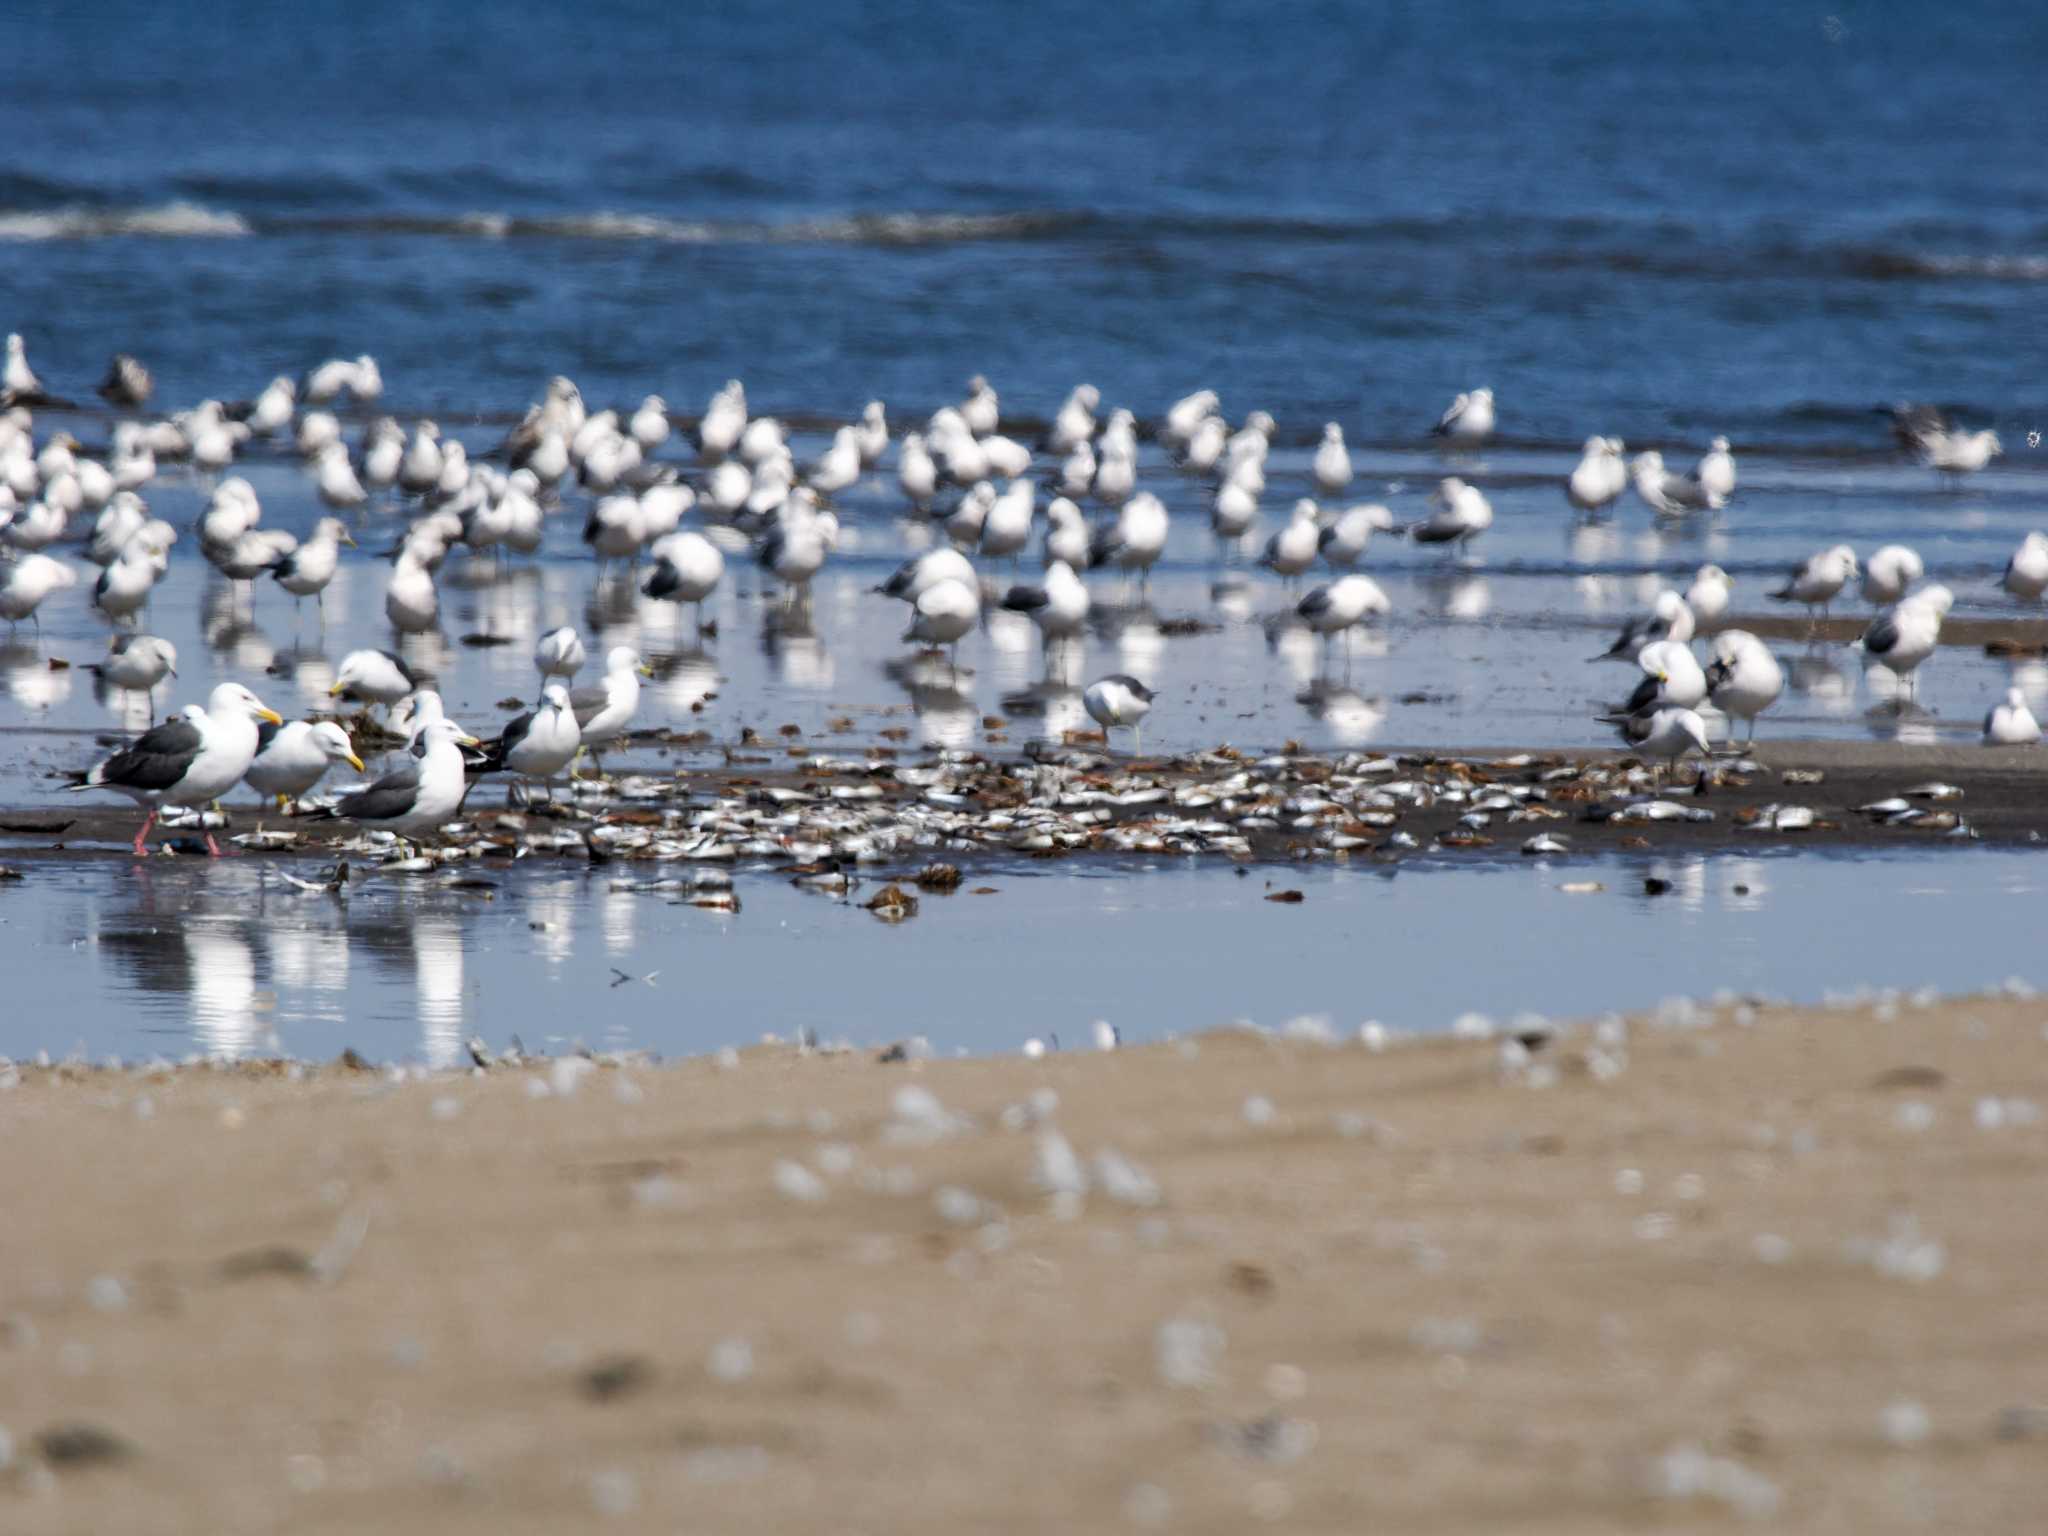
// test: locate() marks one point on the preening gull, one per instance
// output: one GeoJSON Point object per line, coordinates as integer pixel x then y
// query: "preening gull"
{"type": "Point", "coordinates": [1667, 733]}
{"type": "Point", "coordinates": [1462, 514]}
{"type": "Point", "coordinates": [1890, 573]}
{"type": "Point", "coordinates": [1668, 619]}
{"type": "Point", "coordinates": [1907, 634]}
{"type": "Point", "coordinates": [1744, 678]}
{"type": "Point", "coordinates": [2011, 723]}
{"type": "Point", "coordinates": [1058, 606]}
{"type": "Point", "coordinates": [1469, 417]}
{"type": "Point", "coordinates": [373, 677]}
{"type": "Point", "coordinates": [1818, 582]}
{"type": "Point", "coordinates": [1118, 699]}
{"type": "Point", "coordinates": [2026, 573]}
{"type": "Point", "coordinates": [136, 664]}
{"type": "Point", "coordinates": [190, 759]}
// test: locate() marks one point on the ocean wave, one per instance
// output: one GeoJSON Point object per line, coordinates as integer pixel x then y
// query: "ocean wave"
{"type": "Point", "coordinates": [163, 221]}
{"type": "Point", "coordinates": [1660, 249]}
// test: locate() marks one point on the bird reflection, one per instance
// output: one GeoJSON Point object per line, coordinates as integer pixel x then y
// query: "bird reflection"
{"type": "Point", "coordinates": [222, 968]}
{"type": "Point", "coordinates": [1056, 703]}
{"type": "Point", "coordinates": [938, 695]}
{"type": "Point", "coordinates": [437, 980]}
{"type": "Point", "coordinates": [1464, 598]}
{"type": "Point", "coordinates": [309, 671]}
{"type": "Point", "coordinates": [1819, 678]}
{"type": "Point", "coordinates": [618, 917]}
{"type": "Point", "coordinates": [1350, 717]}
{"type": "Point", "coordinates": [551, 907]}
{"type": "Point", "coordinates": [685, 677]}
{"type": "Point", "coordinates": [793, 648]}
{"type": "Point", "coordinates": [230, 628]}
{"type": "Point", "coordinates": [31, 682]}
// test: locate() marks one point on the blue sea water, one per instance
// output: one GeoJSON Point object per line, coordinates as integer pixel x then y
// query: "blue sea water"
{"type": "Point", "coordinates": [1651, 219]}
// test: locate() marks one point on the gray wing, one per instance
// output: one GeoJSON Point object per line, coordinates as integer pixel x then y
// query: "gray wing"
{"type": "Point", "coordinates": [1315, 603]}
{"type": "Point", "coordinates": [391, 796]}
{"type": "Point", "coordinates": [266, 733]}
{"type": "Point", "coordinates": [1881, 637]}
{"type": "Point", "coordinates": [1022, 599]}
{"type": "Point", "coordinates": [158, 759]}
{"type": "Point", "coordinates": [510, 737]}
{"type": "Point", "coordinates": [589, 703]}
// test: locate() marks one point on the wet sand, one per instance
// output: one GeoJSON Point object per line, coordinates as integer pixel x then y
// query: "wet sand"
{"type": "Point", "coordinates": [2002, 800]}
{"type": "Point", "coordinates": [1780, 1265]}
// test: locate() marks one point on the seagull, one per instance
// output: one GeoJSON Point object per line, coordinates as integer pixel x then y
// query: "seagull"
{"type": "Point", "coordinates": [1118, 699]}
{"type": "Point", "coordinates": [373, 677]}
{"type": "Point", "coordinates": [1955, 454]}
{"type": "Point", "coordinates": [1900, 639]}
{"type": "Point", "coordinates": [26, 582]}
{"type": "Point", "coordinates": [329, 380]}
{"type": "Point", "coordinates": [1599, 478]}
{"type": "Point", "coordinates": [1665, 733]}
{"type": "Point", "coordinates": [649, 425]}
{"type": "Point", "coordinates": [37, 526]}
{"type": "Point", "coordinates": [318, 431]}
{"type": "Point", "coordinates": [272, 409]}
{"type": "Point", "coordinates": [421, 793]}
{"type": "Point", "coordinates": [1332, 466]}
{"type": "Point", "coordinates": [604, 712]}
{"type": "Point", "coordinates": [911, 579]}
{"type": "Point", "coordinates": [1189, 413]}
{"type": "Point", "coordinates": [307, 570]}
{"type": "Point", "coordinates": [1469, 418]}
{"type": "Point", "coordinates": [124, 586]}
{"type": "Point", "coordinates": [1234, 510]}
{"type": "Point", "coordinates": [1890, 573]}
{"type": "Point", "coordinates": [127, 382]}
{"type": "Point", "coordinates": [558, 654]}
{"type": "Point", "coordinates": [2011, 724]}
{"type": "Point", "coordinates": [1293, 549]}
{"type": "Point", "coordinates": [839, 467]}
{"type": "Point", "coordinates": [1744, 678]}
{"type": "Point", "coordinates": [410, 601]}
{"type": "Point", "coordinates": [794, 550]}
{"type": "Point", "coordinates": [136, 664]}
{"type": "Point", "coordinates": [19, 384]}
{"type": "Point", "coordinates": [2026, 573]}
{"type": "Point", "coordinates": [420, 470]}
{"type": "Point", "coordinates": [540, 743]}
{"type": "Point", "coordinates": [1668, 619]}
{"type": "Point", "coordinates": [1074, 424]}
{"type": "Point", "coordinates": [871, 434]}
{"type": "Point", "coordinates": [916, 473]}
{"type": "Point", "coordinates": [1336, 607]}
{"type": "Point", "coordinates": [1066, 534]}
{"type": "Point", "coordinates": [190, 759]}
{"type": "Point", "coordinates": [1006, 530]}
{"type": "Point", "coordinates": [1345, 538]}
{"type": "Point", "coordinates": [1665, 493]}
{"type": "Point", "coordinates": [687, 569]}
{"type": "Point", "coordinates": [1818, 582]}
{"type": "Point", "coordinates": [1709, 594]}
{"type": "Point", "coordinates": [1671, 679]}
{"type": "Point", "coordinates": [1715, 473]}
{"type": "Point", "coordinates": [1462, 514]}
{"type": "Point", "coordinates": [981, 410]}
{"type": "Point", "coordinates": [945, 612]}
{"type": "Point", "coordinates": [414, 713]}
{"type": "Point", "coordinates": [725, 418]}
{"type": "Point", "coordinates": [337, 480]}
{"type": "Point", "coordinates": [1058, 606]}
{"type": "Point", "coordinates": [1137, 538]}
{"type": "Point", "coordinates": [1116, 475]}
{"type": "Point", "coordinates": [291, 758]}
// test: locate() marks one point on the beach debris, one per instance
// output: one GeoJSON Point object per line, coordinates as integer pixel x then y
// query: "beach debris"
{"type": "Point", "coordinates": [892, 904]}
{"type": "Point", "coordinates": [1689, 1472]}
{"type": "Point", "coordinates": [1289, 897]}
{"type": "Point", "coordinates": [938, 877]}
{"type": "Point", "coordinates": [616, 1376]}
{"type": "Point", "coordinates": [1270, 1437]}
{"type": "Point", "coordinates": [82, 1445]}
{"type": "Point", "coordinates": [1906, 1423]}
{"type": "Point", "coordinates": [793, 1181]}
{"type": "Point", "coordinates": [917, 1118]}
{"type": "Point", "coordinates": [731, 1360]}
{"type": "Point", "coordinates": [1187, 1351]}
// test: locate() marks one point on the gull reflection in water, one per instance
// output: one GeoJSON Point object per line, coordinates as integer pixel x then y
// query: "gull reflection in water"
{"type": "Point", "coordinates": [1055, 705]}
{"type": "Point", "coordinates": [938, 695]}
{"type": "Point", "coordinates": [1689, 884]}
{"type": "Point", "coordinates": [30, 681]}
{"type": "Point", "coordinates": [790, 641]}
{"type": "Point", "coordinates": [551, 913]}
{"type": "Point", "coordinates": [1821, 680]}
{"type": "Point", "coordinates": [1743, 884]}
{"type": "Point", "coordinates": [309, 968]}
{"type": "Point", "coordinates": [684, 678]}
{"type": "Point", "coordinates": [1349, 716]}
{"type": "Point", "coordinates": [618, 918]}
{"type": "Point", "coordinates": [1463, 599]}
{"type": "Point", "coordinates": [310, 672]}
{"type": "Point", "coordinates": [437, 979]}
{"type": "Point", "coordinates": [222, 969]}
{"type": "Point", "coordinates": [1232, 598]}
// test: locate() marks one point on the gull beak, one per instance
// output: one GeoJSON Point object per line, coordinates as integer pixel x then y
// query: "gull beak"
{"type": "Point", "coordinates": [271, 715]}
{"type": "Point", "coordinates": [348, 538]}
{"type": "Point", "coordinates": [467, 741]}
{"type": "Point", "coordinates": [355, 762]}
{"type": "Point", "coordinates": [644, 670]}
{"type": "Point", "coordinates": [337, 690]}
{"type": "Point", "coordinates": [172, 670]}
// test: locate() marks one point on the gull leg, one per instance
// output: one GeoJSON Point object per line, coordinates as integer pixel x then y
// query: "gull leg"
{"type": "Point", "coordinates": [147, 822]}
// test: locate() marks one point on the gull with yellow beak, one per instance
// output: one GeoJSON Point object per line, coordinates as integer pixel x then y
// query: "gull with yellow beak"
{"type": "Point", "coordinates": [421, 794]}
{"type": "Point", "coordinates": [604, 712]}
{"type": "Point", "coordinates": [189, 760]}
{"type": "Point", "coordinates": [291, 759]}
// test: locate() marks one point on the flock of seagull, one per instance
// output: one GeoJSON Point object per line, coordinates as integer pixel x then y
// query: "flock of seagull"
{"type": "Point", "coordinates": [752, 498]}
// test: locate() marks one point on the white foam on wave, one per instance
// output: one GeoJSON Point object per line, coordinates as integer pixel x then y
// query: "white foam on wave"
{"type": "Point", "coordinates": [850, 229]}
{"type": "Point", "coordinates": [164, 221]}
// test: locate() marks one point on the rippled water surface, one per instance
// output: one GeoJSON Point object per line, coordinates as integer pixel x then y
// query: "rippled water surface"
{"type": "Point", "coordinates": [229, 959]}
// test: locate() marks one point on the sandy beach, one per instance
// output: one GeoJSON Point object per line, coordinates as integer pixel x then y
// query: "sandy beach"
{"type": "Point", "coordinates": [1749, 1265]}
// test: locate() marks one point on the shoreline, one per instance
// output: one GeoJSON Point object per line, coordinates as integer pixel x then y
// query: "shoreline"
{"type": "Point", "coordinates": [795, 811]}
{"type": "Point", "coordinates": [1620, 1275]}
